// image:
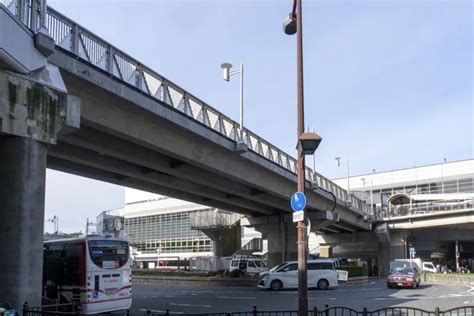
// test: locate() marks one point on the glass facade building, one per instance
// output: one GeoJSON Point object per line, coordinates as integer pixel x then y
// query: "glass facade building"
{"type": "Point", "coordinates": [160, 228]}
{"type": "Point", "coordinates": [166, 233]}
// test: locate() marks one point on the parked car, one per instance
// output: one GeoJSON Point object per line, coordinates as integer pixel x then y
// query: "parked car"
{"type": "Point", "coordinates": [403, 277]}
{"type": "Point", "coordinates": [7, 310]}
{"type": "Point", "coordinates": [321, 274]}
{"type": "Point", "coordinates": [249, 265]}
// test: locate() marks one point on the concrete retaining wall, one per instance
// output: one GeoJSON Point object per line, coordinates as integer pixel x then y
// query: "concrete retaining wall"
{"type": "Point", "coordinates": [467, 279]}
{"type": "Point", "coordinates": [195, 280]}
{"type": "Point", "coordinates": [214, 281]}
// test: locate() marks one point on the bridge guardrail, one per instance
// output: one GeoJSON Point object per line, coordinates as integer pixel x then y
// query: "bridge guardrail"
{"type": "Point", "coordinates": [76, 39]}
{"type": "Point", "coordinates": [212, 219]}
{"type": "Point", "coordinates": [425, 208]}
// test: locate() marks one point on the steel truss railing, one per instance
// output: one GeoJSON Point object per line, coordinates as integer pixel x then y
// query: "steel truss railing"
{"type": "Point", "coordinates": [212, 219]}
{"type": "Point", "coordinates": [425, 208]}
{"type": "Point", "coordinates": [77, 40]}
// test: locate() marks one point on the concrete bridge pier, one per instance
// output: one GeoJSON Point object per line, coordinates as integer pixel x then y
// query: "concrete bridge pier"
{"type": "Point", "coordinates": [227, 240]}
{"type": "Point", "coordinates": [22, 188]}
{"type": "Point", "coordinates": [281, 236]}
{"type": "Point", "coordinates": [281, 232]}
{"type": "Point", "coordinates": [31, 116]}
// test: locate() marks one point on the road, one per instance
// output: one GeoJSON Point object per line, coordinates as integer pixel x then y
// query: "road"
{"type": "Point", "coordinates": [374, 295]}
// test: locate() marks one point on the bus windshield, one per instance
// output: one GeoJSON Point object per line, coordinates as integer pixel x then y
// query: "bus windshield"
{"type": "Point", "coordinates": [108, 254]}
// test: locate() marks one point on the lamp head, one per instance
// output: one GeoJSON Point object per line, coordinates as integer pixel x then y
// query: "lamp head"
{"type": "Point", "coordinates": [308, 142]}
{"type": "Point", "coordinates": [226, 69]}
{"type": "Point", "coordinates": [289, 25]}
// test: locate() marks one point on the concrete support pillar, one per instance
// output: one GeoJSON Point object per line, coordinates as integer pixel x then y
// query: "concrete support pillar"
{"type": "Point", "coordinates": [281, 240]}
{"type": "Point", "coordinates": [395, 249]}
{"type": "Point", "coordinates": [22, 189]}
{"type": "Point", "coordinates": [32, 113]}
{"type": "Point", "coordinates": [227, 240]}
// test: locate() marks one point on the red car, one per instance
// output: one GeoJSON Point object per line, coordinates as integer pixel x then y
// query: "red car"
{"type": "Point", "coordinates": [404, 277]}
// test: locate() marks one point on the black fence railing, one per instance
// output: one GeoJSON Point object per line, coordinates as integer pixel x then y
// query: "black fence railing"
{"type": "Point", "coordinates": [52, 310]}
{"type": "Point", "coordinates": [70, 309]}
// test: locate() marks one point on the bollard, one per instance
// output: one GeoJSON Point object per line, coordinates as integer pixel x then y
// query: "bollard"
{"type": "Point", "coordinates": [437, 311]}
{"type": "Point", "coordinates": [364, 311]}
{"type": "Point", "coordinates": [315, 310]}
{"type": "Point", "coordinates": [255, 310]}
{"type": "Point", "coordinates": [78, 309]}
{"type": "Point", "coordinates": [25, 308]}
{"type": "Point", "coordinates": [148, 312]}
{"type": "Point", "coordinates": [128, 312]}
{"type": "Point", "coordinates": [326, 312]}
{"type": "Point", "coordinates": [167, 312]}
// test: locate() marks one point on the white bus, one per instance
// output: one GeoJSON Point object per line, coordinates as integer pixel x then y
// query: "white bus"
{"type": "Point", "coordinates": [94, 272]}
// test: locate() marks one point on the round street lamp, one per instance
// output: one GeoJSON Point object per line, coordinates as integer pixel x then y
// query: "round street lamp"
{"type": "Point", "coordinates": [307, 144]}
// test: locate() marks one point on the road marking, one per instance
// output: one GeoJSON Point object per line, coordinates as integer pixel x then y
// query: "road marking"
{"type": "Point", "coordinates": [158, 311]}
{"type": "Point", "coordinates": [193, 305]}
{"type": "Point", "coordinates": [466, 302]}
{"type": "Point", "coordinates": [237, 297]}
{"type": "Point", "coordinates": [321, 298]}
{"type": "Point", "coordinates": [363, 289]}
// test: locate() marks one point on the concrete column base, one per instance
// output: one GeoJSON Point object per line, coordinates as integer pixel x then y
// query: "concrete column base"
{"type": "Point", "coordinates": [22, 190]}
{"type": "Point", "coordinates": [227, 240]}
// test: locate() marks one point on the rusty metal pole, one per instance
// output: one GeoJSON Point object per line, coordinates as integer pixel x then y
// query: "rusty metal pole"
{"type": "Point", "coordinates": [302, 242]}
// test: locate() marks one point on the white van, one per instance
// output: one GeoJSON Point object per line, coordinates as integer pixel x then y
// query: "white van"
{"type": "Point", "coordinates": [252, 266]}
{"type": "Point", "coordinates": [321, 275]}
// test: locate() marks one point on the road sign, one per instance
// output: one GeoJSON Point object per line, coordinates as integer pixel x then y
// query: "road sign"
{"type": "Point", "coordinates": [298, 216]}
{"type": "Point", "coordinates": [298, 201]}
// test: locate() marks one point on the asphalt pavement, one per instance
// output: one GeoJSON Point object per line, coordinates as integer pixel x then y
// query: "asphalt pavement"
{"type": "Point", "coordinates": [374, 295]}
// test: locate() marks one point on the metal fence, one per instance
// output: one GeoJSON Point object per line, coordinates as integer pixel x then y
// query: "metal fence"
{"type": "Point", "coordinates": [90, 48]}
{"type": "Point", "coordinates": [425, 208]}
{"type": "Point", "coordinates": [212, 219]}
{"type": "Point", "coordinates": [52, 310]}
{"type": "Point", "coordinates": [343, 311]}
{"type": "Point", "coordinates": [327, 311]}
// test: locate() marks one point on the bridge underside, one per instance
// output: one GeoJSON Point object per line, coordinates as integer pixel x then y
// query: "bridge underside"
{"type": "Point", "coordinates": [130, 139]}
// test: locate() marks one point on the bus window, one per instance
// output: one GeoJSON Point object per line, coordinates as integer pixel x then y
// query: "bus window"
{"type": "Point", "coordinates": [108, 254]}
{"type": "Point", "coordinates": [74, 264]}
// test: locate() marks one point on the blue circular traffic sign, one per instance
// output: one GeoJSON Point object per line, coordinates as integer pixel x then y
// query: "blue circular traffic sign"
{"type": "Point", "coordinates": [298, 201]}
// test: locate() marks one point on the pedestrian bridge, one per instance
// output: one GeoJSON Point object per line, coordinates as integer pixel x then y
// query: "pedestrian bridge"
{"type": "Point", "coordinates": [415, 211]}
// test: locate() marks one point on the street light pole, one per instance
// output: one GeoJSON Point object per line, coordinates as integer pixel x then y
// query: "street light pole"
{"type": "Point", "coordinates": [228, 72]}
{"type": "Point", "coordinates": [307, 144]}
{"type": "Point", "coordinates": [302, 242]}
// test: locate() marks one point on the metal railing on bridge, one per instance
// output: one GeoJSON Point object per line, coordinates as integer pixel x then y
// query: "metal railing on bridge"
{"type": "Point", "coordinates": [210, 219]}
{"type": "Point", "coordinates": [425, 208]}
{"type": "Point", "coordinates": [84, 44]}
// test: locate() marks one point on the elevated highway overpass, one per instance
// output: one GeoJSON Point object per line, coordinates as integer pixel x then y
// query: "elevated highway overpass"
{"type": "Point", "coordinates": [70, 101]}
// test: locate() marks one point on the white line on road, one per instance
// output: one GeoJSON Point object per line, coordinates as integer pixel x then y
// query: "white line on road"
{"type": "Point", "coordinates": [193, 305]}
{"type": "Point", "coordinates": [321, 298]}
{"type": "Point", "coordinates": [158, 311]}
{"type": "Point", "coordinates": [237, 297]}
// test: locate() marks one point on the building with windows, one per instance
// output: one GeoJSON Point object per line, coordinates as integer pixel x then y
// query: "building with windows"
{"type": "Point", "coordinates": [443, 178]}
{"type": "Point", "coordinates": [159, 231]}
{"type": "Point", "coordinates": [427, 210]}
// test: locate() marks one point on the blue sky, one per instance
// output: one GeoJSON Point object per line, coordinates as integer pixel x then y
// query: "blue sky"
{"type": "Point", "coordinates": [387, 83]}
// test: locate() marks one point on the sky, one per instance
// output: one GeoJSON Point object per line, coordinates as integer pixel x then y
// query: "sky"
{"type": "Point", "coordinates": [388, 84]}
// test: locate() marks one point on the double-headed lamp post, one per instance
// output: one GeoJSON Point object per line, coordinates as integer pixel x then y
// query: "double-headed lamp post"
{"type": "Point", "coordinates": [349, 200]}
{"type": "Point", "coordinates": [307, 144]}
{"type": "Point", "coordinates": [228, 71]}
